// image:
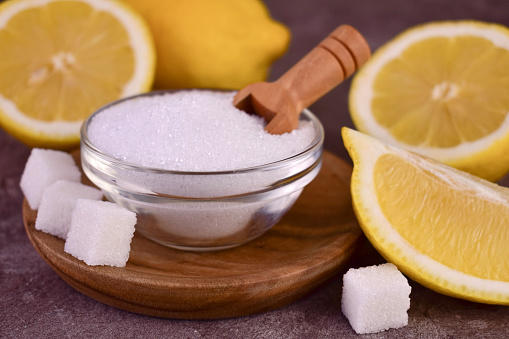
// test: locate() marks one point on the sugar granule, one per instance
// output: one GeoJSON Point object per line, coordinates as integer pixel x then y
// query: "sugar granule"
{"type": "Point", "coordinates": [194, 131]}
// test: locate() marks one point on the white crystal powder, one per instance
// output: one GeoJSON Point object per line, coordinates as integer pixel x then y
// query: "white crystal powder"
{"type": "Point", "coordinates": [194, 130]}
{"type": "Point", "coordinates": [200, 131]}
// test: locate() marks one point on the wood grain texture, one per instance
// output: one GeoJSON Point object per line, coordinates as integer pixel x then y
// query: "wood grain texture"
{"type": "Point", "coordinates": [313, 242]}
{"type": "Point", "coordinates": [281, 102]}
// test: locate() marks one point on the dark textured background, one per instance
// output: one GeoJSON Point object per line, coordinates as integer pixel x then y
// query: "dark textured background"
{"type": "Point", "coordinates": [36, 303]}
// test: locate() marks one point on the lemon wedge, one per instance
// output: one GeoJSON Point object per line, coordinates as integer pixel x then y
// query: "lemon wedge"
{"type": "Point", "coordinates": [442, 227]}
{"type": "Point", "coordinates": [440, 89]}
{"type": "Point", "coordinates": [62, 60]}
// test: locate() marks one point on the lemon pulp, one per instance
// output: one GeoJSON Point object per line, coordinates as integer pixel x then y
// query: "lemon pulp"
{"type": "Point", "coordinates": [70, 66]}
{"type": "Point", "coordinates": [451, 223]}
{"type": "Point", "coordinates": [449, 90]}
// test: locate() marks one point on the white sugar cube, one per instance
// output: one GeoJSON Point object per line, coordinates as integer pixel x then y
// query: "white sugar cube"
{"type": "Point", "coordinates": [100, 233]}
{"type": "Point", "coordinates": [57, 204]}
{"type": "Point", "coordinates": [375, 298]}
{"type": "Point", "coordinates": [43, 168]}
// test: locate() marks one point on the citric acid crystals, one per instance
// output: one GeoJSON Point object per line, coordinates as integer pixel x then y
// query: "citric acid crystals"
{"type": "Point", "coordinates": [192, 131]}
{"type": "Point", "coordinates": [199, 173]}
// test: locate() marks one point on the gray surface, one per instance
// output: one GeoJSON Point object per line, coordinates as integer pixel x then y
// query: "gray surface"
{"type": "Point", "coordinates": [35, 302]}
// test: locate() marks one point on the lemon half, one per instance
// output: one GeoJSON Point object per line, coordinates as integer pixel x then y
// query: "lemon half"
{"type": "Point", "coordinates": [440, 89]}
{"type": "Point", "coordinates": [442, 227]}
{"type": "Point", "coordinates": [62, 60]}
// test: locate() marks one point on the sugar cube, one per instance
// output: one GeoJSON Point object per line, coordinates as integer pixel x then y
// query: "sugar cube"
{"type": "Point", "coordinates": [375, 298]}
{"type": "Point", "coordinates": [100, 233]}
{"type": "Point", "coordinates": [43, 168]}
{"type": "Point", "coordinates": [57, 204]}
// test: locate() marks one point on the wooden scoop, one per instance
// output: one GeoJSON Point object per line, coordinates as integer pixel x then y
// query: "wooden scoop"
{"type": "Point", "coordinates": [323, 68]}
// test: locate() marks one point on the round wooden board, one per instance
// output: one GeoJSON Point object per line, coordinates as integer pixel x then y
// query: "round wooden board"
{"type": "Point", "coordinates": [313, 242]}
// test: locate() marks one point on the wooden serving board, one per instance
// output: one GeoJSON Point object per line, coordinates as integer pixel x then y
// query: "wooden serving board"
{"type": "Point", "coordinates": [313, 242]}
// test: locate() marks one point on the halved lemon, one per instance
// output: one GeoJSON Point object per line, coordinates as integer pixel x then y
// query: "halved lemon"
{"type": "Point", "coordinates": [440, 89]}
{"type": "Point", "coordinates": [63, 59]}
{"type": "Point", "coordinates": [442, 227]}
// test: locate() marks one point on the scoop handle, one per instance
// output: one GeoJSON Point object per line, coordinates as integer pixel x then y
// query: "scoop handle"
{"type": "Point", "coordinates": [337, 57]}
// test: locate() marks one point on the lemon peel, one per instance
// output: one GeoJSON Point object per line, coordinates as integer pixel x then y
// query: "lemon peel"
{"type": "Point", "coordinates": [221, 44]}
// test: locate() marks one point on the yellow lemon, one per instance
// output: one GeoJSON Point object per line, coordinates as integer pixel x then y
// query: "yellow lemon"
{"type": "Point", "coordinates": [224, 44]}
{"type": "Point", "coordinates": [62, 60]}
{"type": "Point", "coordinates": [444, 228]}
{"type": "Point", "coordinates": [441, 89]}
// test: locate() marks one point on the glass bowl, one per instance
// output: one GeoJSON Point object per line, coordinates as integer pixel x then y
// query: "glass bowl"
{"type": "Point", "coordinates": [227, 208]}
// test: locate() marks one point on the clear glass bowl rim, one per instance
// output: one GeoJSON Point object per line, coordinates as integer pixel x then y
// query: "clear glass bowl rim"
{"type": "Point", "coordinates": [314, 146]}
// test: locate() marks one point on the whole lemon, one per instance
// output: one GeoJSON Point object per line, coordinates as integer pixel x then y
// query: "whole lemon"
{"type": "Point", "coordinates": [225, 44]}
